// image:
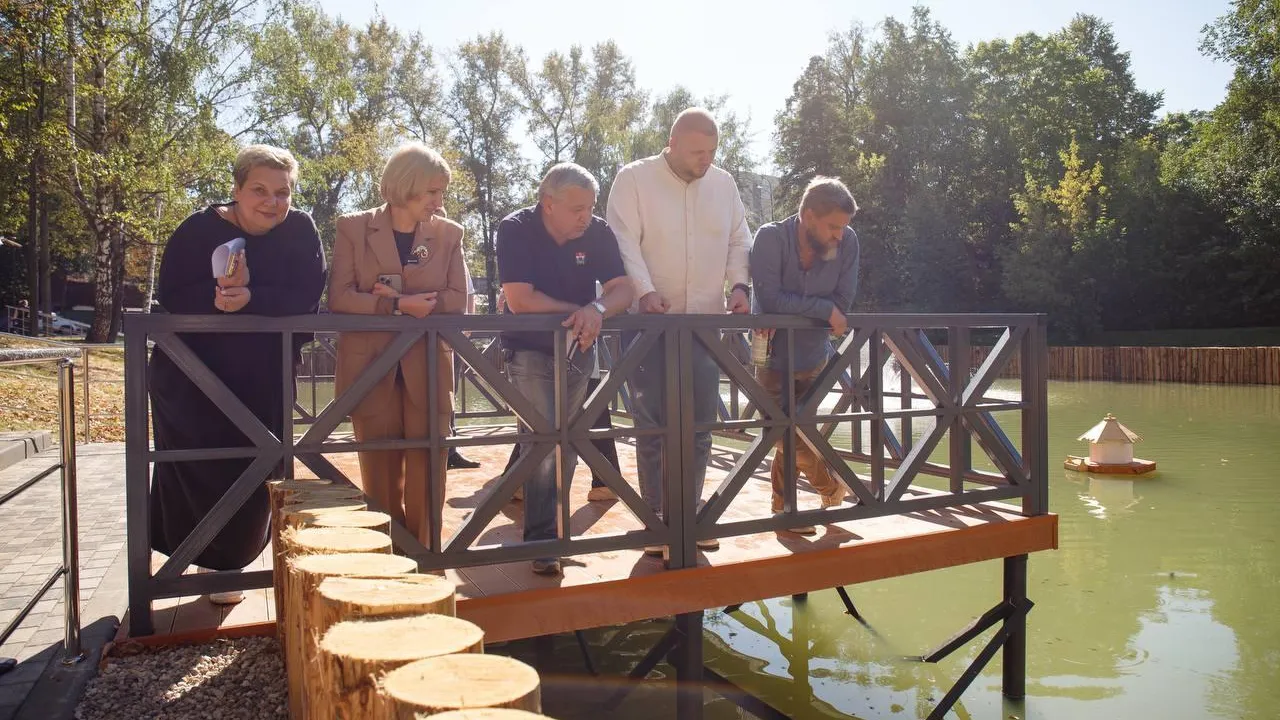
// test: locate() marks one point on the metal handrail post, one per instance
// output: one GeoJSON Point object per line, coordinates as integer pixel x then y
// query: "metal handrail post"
{"type": "Point", "coordinates": [87, 415]}
{"type": "Point", "coordinates": [70, 512]}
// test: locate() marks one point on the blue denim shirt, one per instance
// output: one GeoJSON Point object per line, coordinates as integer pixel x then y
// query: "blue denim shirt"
{"type": "Point", "coordinates": [781, 286]}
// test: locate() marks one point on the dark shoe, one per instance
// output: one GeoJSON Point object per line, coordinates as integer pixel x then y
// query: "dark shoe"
{"type": "Point", "coordinates": [457, 461]}
{"type": "Point", "coordinates": [546, 566]}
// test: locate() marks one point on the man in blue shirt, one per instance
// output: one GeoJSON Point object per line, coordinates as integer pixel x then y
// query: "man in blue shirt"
{"type": "Point", "coordinates": [806, 265]}
{"type": "Point", "coordinates": [550, 257]}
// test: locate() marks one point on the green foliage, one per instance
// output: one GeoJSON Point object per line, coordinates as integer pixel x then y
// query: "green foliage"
{"type": "Point", "coordinates": [1016, 174]}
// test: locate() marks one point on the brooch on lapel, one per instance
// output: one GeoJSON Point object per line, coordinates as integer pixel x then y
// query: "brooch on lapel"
{"type": "Point", "coordinates": [420, 252]}
{"type": "Point", "coordinates": [581, 259]}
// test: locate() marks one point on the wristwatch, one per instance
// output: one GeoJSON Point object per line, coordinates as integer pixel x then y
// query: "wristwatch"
{"type": "Point", "coordinates": [599, 306]}
{"type": "Point", "coordinates": [395, 306]}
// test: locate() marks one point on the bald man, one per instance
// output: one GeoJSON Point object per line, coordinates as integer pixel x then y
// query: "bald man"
{"type": "Point", "coordinates": [682, 230]}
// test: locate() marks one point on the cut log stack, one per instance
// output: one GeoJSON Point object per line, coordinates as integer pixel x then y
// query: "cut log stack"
{"type": "Point", "coordinates": [291, 492]}
{"type": "Point", "coordinates": [364, 636]}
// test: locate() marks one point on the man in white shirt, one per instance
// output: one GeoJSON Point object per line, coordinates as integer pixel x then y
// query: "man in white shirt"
{"type": "Point", "coordinates": [682, 231]}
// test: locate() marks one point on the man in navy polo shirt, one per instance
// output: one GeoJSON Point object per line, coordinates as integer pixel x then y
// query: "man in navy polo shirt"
{"type": "Point", "coordinates": [550, 257]}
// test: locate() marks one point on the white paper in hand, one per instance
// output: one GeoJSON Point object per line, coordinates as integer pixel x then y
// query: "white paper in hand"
{"type": "Point", "coordinates": [222, 256]}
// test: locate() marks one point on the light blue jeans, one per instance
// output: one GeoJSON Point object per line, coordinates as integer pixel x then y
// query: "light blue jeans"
{"type": "Point", "coordinates": [533, 374]}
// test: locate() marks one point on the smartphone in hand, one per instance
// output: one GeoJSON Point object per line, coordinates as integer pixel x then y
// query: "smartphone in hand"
{"type": "Point", "coordinates": [395, 282]}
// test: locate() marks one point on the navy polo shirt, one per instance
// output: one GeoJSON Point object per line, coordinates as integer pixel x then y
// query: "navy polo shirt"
{"type": "Point", "coordinates": [528, 254]}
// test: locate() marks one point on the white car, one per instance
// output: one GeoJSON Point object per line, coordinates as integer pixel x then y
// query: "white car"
{"type": "Point", "coordinates": [64, 326]}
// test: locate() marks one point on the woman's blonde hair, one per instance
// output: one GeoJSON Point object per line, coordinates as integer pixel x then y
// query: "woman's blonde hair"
{"type": "Point", "coordinates": [253, 156]}
{"type": "Point", "coordinates": [408, 169]}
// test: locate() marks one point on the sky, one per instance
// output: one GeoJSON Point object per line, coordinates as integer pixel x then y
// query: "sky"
{"type": "Point", "coordinates": [754, 52]}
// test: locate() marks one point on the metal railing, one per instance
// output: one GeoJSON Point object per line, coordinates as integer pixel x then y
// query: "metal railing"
{"type": "Point", "coordinates": [69, 570]}
{"type": "Point", "coordinates": [948, 398]}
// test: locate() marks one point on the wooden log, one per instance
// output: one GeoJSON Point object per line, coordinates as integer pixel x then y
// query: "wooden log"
{"type": "Point", "coordinates": [459, 682]}
{"type": "Point", "coordinates": [353, 654]}
{"type": "Point", "coordinates": [485, 714]}
{"type": "Point", "coordinates": [304, 575]}
{"type": "Point", "coordinates": [279, 494]}
{"type": "Point", "coordinates": [298, 542]}
{"type": "Point", "coordinates": [291, 515]}
{"type": "Point", "coordinates": [355, 598]}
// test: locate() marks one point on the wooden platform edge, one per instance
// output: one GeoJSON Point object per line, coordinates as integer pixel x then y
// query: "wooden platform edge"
{"type": "Point", "coordinates": [123, 647]}
{"type": "Point", "coordinates": [546, 611]}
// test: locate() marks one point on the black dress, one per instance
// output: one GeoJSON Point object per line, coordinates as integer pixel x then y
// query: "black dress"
{"type": "Point", "coordinates": [286, 277]}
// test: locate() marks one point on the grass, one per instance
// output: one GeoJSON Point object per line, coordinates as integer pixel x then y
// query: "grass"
{"type": "Point", "coordinates": [29, 394]}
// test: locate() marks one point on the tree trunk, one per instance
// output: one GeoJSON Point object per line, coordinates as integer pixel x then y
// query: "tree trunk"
{"type": "Point", "coordinates": [97, 207]}
{"type": "Point", "coordinates": [103, 292]}
{"type": "Point", "coordinates": [46, 276]}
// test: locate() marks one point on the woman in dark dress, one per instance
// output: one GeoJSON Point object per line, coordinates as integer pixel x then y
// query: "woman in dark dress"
{"type": "Point", "coordinates": [280, 271]}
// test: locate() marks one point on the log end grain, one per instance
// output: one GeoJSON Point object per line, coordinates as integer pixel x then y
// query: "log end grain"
{"type": "Point", "coordinates": [459, 682]}
{"type": "Point", "coordinates": [484, 714]}
{"type": "Point", "coordinates": [353, 564]}
{"type": "Point", "coordinates": [401, 639]}
{"type": "Point", "coordinates": [367, 519]}
{"type": "Point", "coordinates": [374, 597]}
{"type": "Point", "coordinates": [327, 540]}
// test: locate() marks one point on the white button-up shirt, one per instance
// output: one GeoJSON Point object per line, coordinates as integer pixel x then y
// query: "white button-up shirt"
{"type": "Point", "coordinates": [686, 241]}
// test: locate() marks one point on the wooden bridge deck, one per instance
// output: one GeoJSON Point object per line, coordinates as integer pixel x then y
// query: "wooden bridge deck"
{"type": "Point", "coordinates": [511, 602]}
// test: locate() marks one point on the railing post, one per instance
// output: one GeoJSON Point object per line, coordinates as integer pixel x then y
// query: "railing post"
{"type": "Point", "coordinates": [1035, 418]}
{"type": "Point", "coordinates": [1014, 683]}
{"type": "Point", "coordinates": [679, 450]}
{"type": "Point", "coordinates": [875, 403]}
{"type": "Point", "coordinates": [70, 510]}
{"type": "Point", "coordinates": [88, 384]}
{"type": "Point", "coordinates": [959, 456]}
{"type": "Point", "coordinates": [688, 662]}
{"type": "Point", "coordinates": [137, 471]}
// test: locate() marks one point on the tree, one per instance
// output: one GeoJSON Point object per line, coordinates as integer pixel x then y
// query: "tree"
{"type": "Point", "coordinates": [328, 92]}
{"type": "Point", "coordinates": [585, 111]}
{"type": "Point", "coordinates": [152, 79]}
{"type": "Point", "coordinates": [1235, 160]}
{"type": "Point", "coordinates": [1061, 228]}
{"type": "Point", "coordinates": [482, 108]}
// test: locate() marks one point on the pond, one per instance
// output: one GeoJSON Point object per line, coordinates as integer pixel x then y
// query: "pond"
{"type": "Point", "coordinates": [1161, 601]}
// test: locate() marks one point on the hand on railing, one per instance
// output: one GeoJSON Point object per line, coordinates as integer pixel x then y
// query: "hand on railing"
{"type": "Point", "coordinates": [839, 323]}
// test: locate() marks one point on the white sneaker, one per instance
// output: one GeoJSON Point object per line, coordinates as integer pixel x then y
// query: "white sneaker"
{"type": "Point", "coordinates": [231, 597]}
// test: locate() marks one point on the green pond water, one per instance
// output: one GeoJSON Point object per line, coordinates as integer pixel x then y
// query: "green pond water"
{"type": "Point", "coordinates": [1162, 601]}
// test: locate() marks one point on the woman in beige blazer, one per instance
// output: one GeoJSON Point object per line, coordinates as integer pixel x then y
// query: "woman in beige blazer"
{"type": "Point", "coordinates": [399, 258]}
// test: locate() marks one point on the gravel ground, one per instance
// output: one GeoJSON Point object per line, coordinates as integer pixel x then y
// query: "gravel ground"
{"type": "Point", "coordinates": [224, 680]}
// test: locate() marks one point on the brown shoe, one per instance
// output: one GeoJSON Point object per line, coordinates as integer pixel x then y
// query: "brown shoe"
{"type": "Point", "coordinates": [708, 544]}
{"type": "Point", "coordinates": [601, 493]}
{"type": "Point", "coordinates": [835, 499]}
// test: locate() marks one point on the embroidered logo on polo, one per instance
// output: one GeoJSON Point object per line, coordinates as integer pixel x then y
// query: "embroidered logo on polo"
{"type": "Point", "coordinates": [580, 258]}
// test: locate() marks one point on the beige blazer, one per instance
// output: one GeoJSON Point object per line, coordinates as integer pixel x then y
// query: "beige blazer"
{"type": "Point", "coordinates": [366, 248]}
